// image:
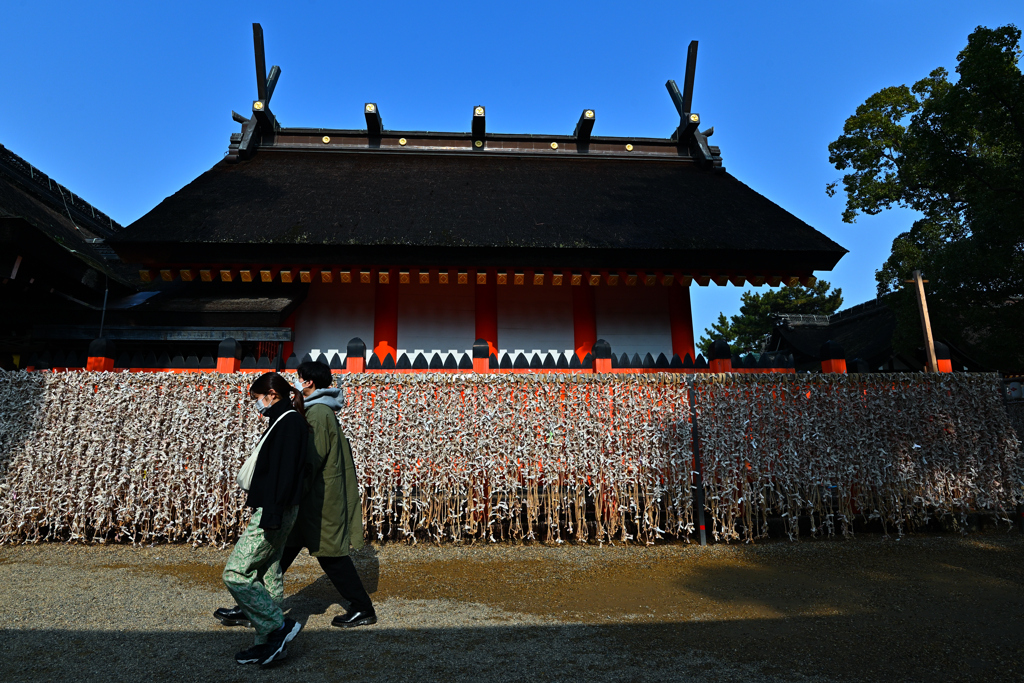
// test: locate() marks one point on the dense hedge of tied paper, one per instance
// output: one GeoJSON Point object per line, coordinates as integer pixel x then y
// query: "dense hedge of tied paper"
{"type": "Point", "coordinates": [145, 458]}
{"type": "Point", "coordinates": [899, 448]}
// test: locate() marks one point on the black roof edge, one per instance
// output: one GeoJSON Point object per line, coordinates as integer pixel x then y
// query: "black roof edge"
{"type": "Point", "coordinates": [176, 254]}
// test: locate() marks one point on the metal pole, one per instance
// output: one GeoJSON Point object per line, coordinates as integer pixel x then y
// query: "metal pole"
{"type": "Point", "coordinates": [698, 476]}
{"type": "Point", "coordinates": [922, 307]}
{"type": "Point", "coordinates": [106, 290]}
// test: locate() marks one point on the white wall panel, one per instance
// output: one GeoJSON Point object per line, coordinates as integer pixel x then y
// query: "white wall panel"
{"type": "Point", "coordinates": [331, 315]}
{"type": "Point", "coordinates": [634, 319]}
{"type": "Point", "coordinates": [436, 316]}
{"type": "Point", "coordinates": [535, 317]}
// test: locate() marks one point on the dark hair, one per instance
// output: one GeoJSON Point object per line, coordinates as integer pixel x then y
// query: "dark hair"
{"type": "Point", "coordinates": [319, 373]}
{"type": "Point", "coordinates": [272, 381]}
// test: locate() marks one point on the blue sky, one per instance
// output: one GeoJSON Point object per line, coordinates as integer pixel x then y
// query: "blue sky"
{"type": "Point", "coordinates": [126, 103]}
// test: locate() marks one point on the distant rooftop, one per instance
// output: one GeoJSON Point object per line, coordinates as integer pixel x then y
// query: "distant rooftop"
{"type": "Point", "coordinates": [93, 222]}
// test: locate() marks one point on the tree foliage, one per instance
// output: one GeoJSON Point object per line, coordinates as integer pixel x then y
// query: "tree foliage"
{"type": "Point", "coordinates": [953, 151]}
{"type": "Point", "coordinates": [749, 331]}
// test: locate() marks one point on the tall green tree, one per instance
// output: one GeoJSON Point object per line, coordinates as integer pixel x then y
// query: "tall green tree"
{"type": "Point", "coordinates": [953, 151]}
{"type": "Point", "coordinates": [749, 331]}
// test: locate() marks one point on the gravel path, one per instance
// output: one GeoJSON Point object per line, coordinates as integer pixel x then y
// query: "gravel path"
{"type": "Point", "coordinates": [926, 607]}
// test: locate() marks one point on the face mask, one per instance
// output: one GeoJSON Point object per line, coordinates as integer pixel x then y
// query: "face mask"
{"type": "Point", "coordinates": [298, 384]}
{"type": "Point", "coordinates": [260, 408]}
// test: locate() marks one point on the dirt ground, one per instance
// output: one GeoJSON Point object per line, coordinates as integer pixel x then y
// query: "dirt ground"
{"type": "Point", "coordinates": [923, 608]}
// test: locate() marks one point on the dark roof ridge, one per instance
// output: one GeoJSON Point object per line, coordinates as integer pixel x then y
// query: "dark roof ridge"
{"type": "Point", "coordinates": [41, 186]}
{"type": "Point", "coordinates": [857, 310]}
{"type": "Point", "coordinates": [846, 315]}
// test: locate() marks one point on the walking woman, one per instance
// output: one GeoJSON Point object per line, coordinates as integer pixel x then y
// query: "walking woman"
{"type": "Point", "coordinates": [253, 572]}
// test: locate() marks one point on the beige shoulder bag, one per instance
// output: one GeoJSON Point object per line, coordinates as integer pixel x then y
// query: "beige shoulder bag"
{"type": "Point", "coordinates": [244, 478]}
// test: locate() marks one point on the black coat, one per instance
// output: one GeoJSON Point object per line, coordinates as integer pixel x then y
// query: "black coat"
{"type": "Point", "coordinates": [278, 477]}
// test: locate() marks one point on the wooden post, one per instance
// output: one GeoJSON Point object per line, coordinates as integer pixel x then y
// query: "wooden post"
{"type": "Point", "coordinates": [833, 357]}
{"type": "Point", "coordinates": [101, 356]}
{"type": "Point", "coordinates": [720, 357]}
{"type": "Point", "coordinates": [355, 355]}
{"type": "Point", "coordinates": [229, 356]}
{"type": "Point", "coordinates": [481, 356]}
{"type": "Point", "coordinates": [926, 326]}
{"type": "Point", "coordinates": [602, 353]}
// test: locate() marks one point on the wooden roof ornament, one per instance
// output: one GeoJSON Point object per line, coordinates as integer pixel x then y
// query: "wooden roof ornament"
{"type": "Point", "coordinates": [262, 121]}
{"type": "Point", "coordinates": [687, 134]}
{"type": "Point", "coordinates": [584, 127]}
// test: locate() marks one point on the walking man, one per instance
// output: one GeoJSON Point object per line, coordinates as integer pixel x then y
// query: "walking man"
{"type": "Point", "coordinates": [330, 518]}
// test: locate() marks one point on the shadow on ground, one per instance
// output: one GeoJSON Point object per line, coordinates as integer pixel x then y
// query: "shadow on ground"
{"type": "Point", "coordinates": [639, 652]}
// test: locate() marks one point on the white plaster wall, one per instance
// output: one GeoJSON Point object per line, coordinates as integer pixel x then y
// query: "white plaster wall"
{"type": "Point", "coordinates": [436, 317]}
{"type": "Point", "coordinates": [331, 315]}
{"type": "Point", "coordinates": [634, 319]}
{"type": "Point", "coordinates": [535, 317]}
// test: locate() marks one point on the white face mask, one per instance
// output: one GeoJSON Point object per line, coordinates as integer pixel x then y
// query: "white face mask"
{"type": "Point", "coordinates": [261, 408]}
{"type": "Point", "coordinates": [298, 384]}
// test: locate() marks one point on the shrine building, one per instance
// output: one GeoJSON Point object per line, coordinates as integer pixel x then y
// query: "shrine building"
{"type": "Point", "coordinates": [423, 242]}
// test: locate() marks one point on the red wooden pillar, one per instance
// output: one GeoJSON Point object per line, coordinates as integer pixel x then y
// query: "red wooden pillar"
{"type": "Point", "coordinates": [486, 300]}
{"type": "Point", "coordinates": [229, 356]}
{"type": "Point", "coordinates": [385, 315]}
{"type": "Point", "coordinates": [481, 357]}
{"type": "Point", "coordinates": [680, 318]}
{"type": "Point", "coordinates": [602, 356]}
{"type": "Point", "coordinates": [833, 357]}
{"type": "Point", "coordinates": [355, 355]}
{"type": "Point", "coordinates": [942, 358]}
{"type": "Point", "coordinates": [101, 355]}
{"type": "Point", "coordinates": [584, 319]}
{"type": "Point", "coordinates": [720, 357]}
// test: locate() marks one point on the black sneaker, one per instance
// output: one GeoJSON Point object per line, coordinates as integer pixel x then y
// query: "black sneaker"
{"type": "Point", "coordinates": [232, 616]}
{"type": "Point", "coordinates": [257, 653]}
{"type": "Point", "coordinates": [250, 656]}
{"type": "Point", "coordinates": [353, 618]}
{"type": "Point", "coordinates": [274, 648]}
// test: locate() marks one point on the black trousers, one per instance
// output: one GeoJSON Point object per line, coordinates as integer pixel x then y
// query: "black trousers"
{"type": "Point", "coordinates": [342, 574]}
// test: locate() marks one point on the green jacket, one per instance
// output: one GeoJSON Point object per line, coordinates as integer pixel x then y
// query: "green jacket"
{"type": "Point", "coordinates": [330, 514]}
